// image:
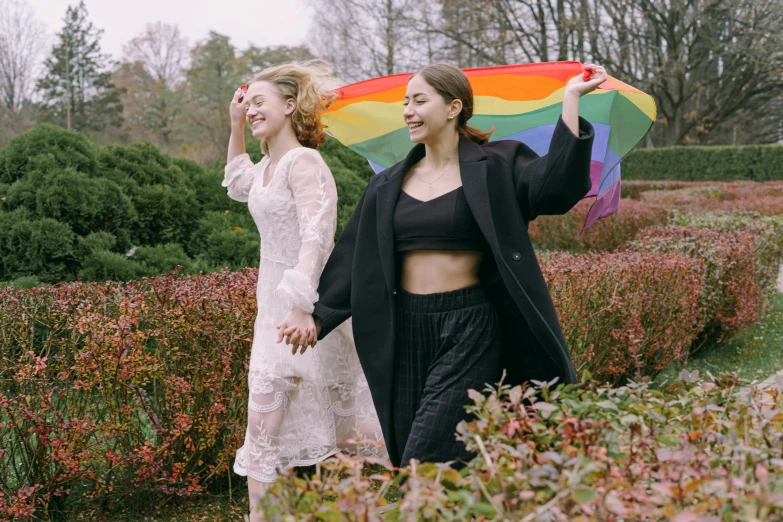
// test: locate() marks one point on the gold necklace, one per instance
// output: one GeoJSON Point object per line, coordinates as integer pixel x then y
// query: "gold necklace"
{"type": "Point", "coordinates": [430, 184]}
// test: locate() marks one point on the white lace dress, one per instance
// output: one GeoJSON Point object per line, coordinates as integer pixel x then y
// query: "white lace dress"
{"type": "Point", "coordinates": [302, 408]}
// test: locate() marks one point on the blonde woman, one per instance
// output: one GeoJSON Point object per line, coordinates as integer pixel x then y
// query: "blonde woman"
{"type": "Point", "coordinates": [303, 407]}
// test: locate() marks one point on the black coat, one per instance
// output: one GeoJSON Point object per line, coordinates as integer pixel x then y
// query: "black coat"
{"type": "Point", "coordinates": [506, 185]}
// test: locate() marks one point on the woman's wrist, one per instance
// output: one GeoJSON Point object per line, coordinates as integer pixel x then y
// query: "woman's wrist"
{"type": "Point", "coordinates": [296, 310]}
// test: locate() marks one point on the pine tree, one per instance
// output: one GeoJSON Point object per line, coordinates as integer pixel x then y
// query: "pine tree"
{"type": "Point", "coordinates": [77, 91]}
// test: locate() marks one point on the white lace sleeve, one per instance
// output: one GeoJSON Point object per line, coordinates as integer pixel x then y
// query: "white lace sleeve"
{"type": "Point", "coordinates": [315, 196]}
{"type": "Point", "coordinates": [238, 177]}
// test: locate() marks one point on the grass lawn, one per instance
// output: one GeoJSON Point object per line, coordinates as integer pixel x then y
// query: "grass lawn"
{"type": "Point", "coordinates": [755, 353]}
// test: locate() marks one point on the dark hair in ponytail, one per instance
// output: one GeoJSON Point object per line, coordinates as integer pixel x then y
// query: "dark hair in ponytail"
{"type": "Point", "coordinates": [452, 84]}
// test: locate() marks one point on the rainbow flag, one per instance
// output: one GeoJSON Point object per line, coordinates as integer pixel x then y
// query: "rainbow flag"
{"type": "Point", "coordinates": [523, 102]}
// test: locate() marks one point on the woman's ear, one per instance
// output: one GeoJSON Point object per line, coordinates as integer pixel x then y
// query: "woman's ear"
{"type": "Point", "coordinates": [455, 109]}
{"type": "Point", "coordinates": [290, 106]}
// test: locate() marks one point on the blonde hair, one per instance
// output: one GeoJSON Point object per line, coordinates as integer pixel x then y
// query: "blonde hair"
{"type": "Point", "coordinates": [312, 86]}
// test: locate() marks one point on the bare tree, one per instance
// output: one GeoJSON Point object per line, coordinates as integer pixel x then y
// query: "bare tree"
{"type": "Point", "coordinates": [543, 29]}
{"type": "Point", "coordinates": [151, 76]}
{"type": "Point", "coordinates": [366, 38]}
{"type": "Point", "coordinates": [162, 50]}
{"type": "Point", "coordinates": [704, 61]}
{"type": "Point", "coordinates": [21, 44]}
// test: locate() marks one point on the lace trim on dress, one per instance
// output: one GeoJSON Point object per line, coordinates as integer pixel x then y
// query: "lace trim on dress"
{"type": "Point", "coordinates": [238, 177]}
{"type": "Point", "coordinates": [296, 289]}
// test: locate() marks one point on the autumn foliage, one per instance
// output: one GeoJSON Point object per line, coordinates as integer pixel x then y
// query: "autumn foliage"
{"type": "Point", "coordinates": [120, 389]}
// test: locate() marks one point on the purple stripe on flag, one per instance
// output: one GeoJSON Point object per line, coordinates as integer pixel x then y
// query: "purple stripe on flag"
{"type": "Point", "coordinates": [539, 138]}
{"type": "Point", "coordinates": [377, 168]}
{"type": "Point", "coordinates": [611, 171]}
{"type": "Point", "coordinates": [605, 205]}
{"type": "Point", "coordinates": [596, 171]}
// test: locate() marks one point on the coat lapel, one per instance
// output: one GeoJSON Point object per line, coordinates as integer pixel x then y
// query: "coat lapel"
{"type": "Point", "coordinates": [387, 194]}
{"type": "Point", "coordinates": [473, 171]}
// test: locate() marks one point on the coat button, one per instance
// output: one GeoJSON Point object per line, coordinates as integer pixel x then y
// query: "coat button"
{"type": "Point", "coordinates": [516, 256]}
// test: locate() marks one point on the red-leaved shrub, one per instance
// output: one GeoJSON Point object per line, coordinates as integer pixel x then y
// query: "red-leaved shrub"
{"type": "Point", "coordinates": [633, 189]}
{"type": "Point", "coordinates": [625, 314]}
{"type": "Point", "coordinates": [121, 389]}
{"type": "Point", "coordinates": [767, 233]}
{"type": "Point", "coordinates": [562, 232]}
{"type": "Point", "coordinates": [764, 198]}
{"type": "Point", "coordinates": [731, 297]}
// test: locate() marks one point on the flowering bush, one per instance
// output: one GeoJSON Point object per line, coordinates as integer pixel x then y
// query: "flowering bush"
{"type": "Point", "coordinates": [706, 450]}
{"type": "Point", "coordinates": [562, 232]}
{"type": "Point", "coordinates": [118, 389]}
{"type": "Point", "coordinates": [626, 314]}
{"type": "Point", "coordinates": [731, 298]}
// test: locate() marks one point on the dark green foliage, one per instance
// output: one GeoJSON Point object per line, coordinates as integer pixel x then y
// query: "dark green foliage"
{"type": "Point", "coordinates": [226, 239]}
{"type": "Point", "coordinates": [101, 203]}
{"type": "Point", "coordinates": [163, 258]}
{"type": "Point", "coordinates": [93, 242]}
{"type": "Point", "coordinates": [160, 191]}
{"type": "Point", "coordinates": [102, 265]}
{"type": "Point", "coordinates": [206, 182]}
{"type": "Point", "coordinates": [34, 247]}
{"type": "Point", "coordinates": [747, 162]}
{"type": "Point", "coordinates": [65, 148]}
{"type": "Point", "coordinates": [86, 204]}
{"type": "Point", "coordinates": [166, 214]}
{"type": "Point", "coordinates": [24, 282]}
{"type": "Point", "coordinates": [141, 163]}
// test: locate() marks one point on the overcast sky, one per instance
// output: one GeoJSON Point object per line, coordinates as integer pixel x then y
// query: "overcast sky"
{"type": "Point", "coordinates": [261, 22]}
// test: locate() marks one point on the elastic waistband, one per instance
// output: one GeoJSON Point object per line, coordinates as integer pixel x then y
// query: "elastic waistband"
{"type": "Point", "coordinates": [443, 301]}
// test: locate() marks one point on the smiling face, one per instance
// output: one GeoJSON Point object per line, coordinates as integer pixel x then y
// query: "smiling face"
{"type": "Point", "coordinates": [426, 112]}
{"type": "Point", "coordinates": [266, 112]}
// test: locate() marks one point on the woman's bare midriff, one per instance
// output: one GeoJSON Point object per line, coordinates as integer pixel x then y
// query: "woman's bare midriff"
{"type": "Point", "coordinates": [436, 271]}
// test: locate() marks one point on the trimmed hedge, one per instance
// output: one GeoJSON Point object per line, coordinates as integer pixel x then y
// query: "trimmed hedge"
{"type": "Point", "coordinates": [562, 232]}
{"type": "Point", "coordinates": [626, 314]}
{"type": "Point", "coordinates": [731, 298]}
{"type": "Point", "coordinates": [767, 234]}
{"type": "Point", "coordinates": [633, 189]}
{"type": "Point", "coordinates": [764, 198]}
{"type": "Point", "coordinates": [698, 163]}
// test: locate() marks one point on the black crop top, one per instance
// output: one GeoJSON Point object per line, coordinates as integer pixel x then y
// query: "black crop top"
{"type": "Point", "coordinates": [442, 223]}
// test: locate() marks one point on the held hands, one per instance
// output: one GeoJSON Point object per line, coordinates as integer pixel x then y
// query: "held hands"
{"type": "Point", "coordinates": [237, 107]}
{"type": "Point", "coordinates": [592, 76]}
{"type": "Point", "coordinates": [299, 330]}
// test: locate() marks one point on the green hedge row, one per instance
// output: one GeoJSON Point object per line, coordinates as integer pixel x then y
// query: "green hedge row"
{"type": "Point", "coordinates": [727, 163]}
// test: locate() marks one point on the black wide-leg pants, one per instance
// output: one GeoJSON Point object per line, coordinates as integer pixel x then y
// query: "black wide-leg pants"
{"type": "Point", "coordinates": [446, 344]}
